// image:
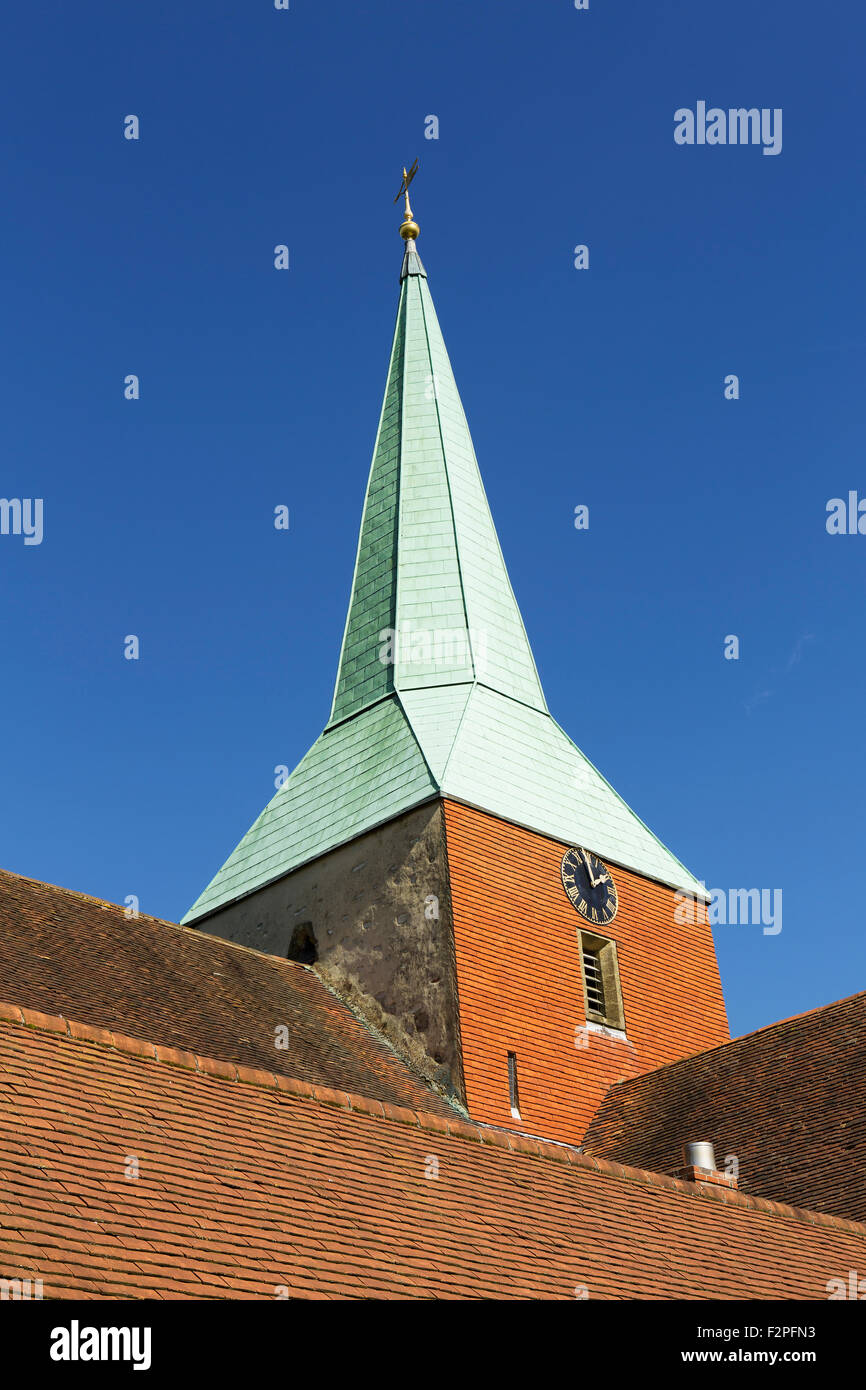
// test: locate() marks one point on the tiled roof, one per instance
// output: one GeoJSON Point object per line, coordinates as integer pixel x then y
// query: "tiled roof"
{"type": "Point", "coordinates": [786, 1100]}
{"type": "Point", "coordinates": [64, 952]}
{"type": "Point", "coordinates": [129, 1174]}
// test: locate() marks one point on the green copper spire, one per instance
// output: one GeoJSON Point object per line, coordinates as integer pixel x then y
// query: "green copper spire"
{"type": "Point", "coordinates": [437, 692]}
{"type": "Point", "coordinates": [431, 602]}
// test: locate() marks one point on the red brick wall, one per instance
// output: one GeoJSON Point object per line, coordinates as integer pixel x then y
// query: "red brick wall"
{"type": "Point", "coordinates": [520, 988]}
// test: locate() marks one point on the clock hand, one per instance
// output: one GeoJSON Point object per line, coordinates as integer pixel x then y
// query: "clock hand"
{"type": "Point", "coordinates": [593, 882]}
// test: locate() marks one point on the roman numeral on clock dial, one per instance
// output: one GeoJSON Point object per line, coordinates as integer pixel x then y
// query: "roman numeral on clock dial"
{"type": "Point", "coordinates": [589, 885]}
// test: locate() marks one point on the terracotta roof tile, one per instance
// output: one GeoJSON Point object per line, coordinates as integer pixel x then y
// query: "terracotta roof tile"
{"type": "Point", "coordinates": [786, 1100]}
{"type": "Point", "coordinates": [243, 1188]}
{"type": "Point", "coordinates": [64, 953]}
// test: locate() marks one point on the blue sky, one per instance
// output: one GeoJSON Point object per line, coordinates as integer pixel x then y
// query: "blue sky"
{"type": "Point", "coordinates": [601, 387]}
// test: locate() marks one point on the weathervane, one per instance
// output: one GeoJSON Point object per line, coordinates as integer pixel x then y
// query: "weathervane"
{"type": "Point", "coordinates": [409, 228]}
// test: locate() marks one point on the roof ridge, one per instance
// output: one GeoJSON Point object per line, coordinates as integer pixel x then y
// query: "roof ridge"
{"type": "Point", "coordinates": [731, 1042]}
{"type": "Point", "coordinates": [76, 893]}
{"type": "Point", "coordinates": [792, 1018]}
{"type": "Point", "coordinates": [191, 930]}
{"type": "Point", "coordinates": [458, 1129]}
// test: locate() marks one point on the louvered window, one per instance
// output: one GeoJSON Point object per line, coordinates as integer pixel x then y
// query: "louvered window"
{"type": "Point", "coordinates": [601, 985]}
{"type": "Point", "coordinates": [594, 981]}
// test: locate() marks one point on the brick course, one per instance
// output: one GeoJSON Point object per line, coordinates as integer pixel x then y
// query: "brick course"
{"type": "Point", "coordinates": [520, 987]}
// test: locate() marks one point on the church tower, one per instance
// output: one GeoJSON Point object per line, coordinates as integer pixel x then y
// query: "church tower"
{"type": "Point", "coordinates": [444, 854]}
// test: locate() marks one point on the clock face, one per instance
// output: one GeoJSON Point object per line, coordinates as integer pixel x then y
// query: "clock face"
{"type": "Point", "coordinates": [589, 885]}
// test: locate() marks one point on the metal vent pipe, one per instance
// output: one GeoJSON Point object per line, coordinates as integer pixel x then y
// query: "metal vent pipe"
{"type": "Point", "coordinates": [699, 1155]}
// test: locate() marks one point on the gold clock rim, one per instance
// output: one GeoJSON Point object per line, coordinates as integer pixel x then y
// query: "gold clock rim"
{"type": "Point", "coordinates": [575, 849]}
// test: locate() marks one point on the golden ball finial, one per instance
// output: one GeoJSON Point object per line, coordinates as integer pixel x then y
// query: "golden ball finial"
{"type": "Point", "coordinates": [409, 229]}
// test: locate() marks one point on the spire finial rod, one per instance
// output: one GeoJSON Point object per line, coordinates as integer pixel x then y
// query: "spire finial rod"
{"type": "Point", "coordinates": [409, 228]}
